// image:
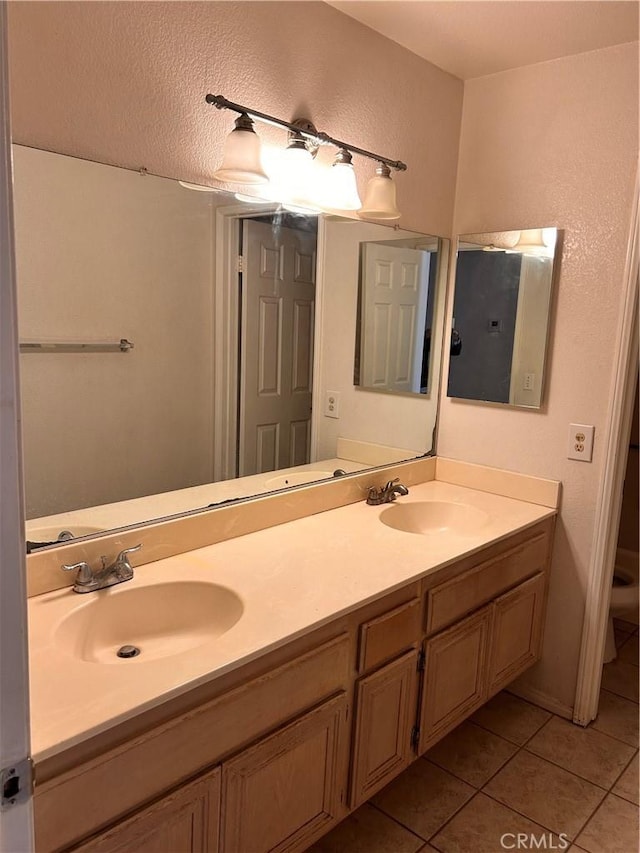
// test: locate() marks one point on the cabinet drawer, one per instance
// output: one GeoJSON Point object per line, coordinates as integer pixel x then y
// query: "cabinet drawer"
{"type": "Point", "coordinates": [388, 635]}
{"type": "Point", "coordinates": [453, 599]}
{"type": "Point", "coordinates": [140, 770]}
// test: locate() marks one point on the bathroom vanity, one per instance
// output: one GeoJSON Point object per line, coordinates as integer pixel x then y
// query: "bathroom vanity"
{"type": "Point", "coordinates": [366, 634]}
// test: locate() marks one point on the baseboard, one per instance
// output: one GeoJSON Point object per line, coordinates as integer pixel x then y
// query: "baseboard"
{"type": "Point", "coordinates": [542, 700]}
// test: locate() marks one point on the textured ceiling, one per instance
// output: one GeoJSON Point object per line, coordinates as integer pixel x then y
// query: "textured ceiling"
{"type": "Point", "coordinates": [472, 38]}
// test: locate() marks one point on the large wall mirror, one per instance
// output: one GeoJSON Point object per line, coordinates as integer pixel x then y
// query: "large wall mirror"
{"type": "Point", "coordinates": [242, 319]}
{"type": "Point", "coordinates": [502, 301]}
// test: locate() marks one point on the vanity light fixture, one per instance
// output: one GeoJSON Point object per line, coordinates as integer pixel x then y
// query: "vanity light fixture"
{"type": "Point", "coordinates": [342, 187]}
{"type": "Point", "coordinates": [241, 163]}
{"type": "Point", "coordinates": [380, 197]}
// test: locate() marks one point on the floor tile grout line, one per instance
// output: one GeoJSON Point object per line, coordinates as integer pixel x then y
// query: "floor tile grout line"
{"type": "Point", "coordinates": [509, 740]}
{"type": "Point", "coordinates": [628, 764]}
{"type": "Point", "coordinates": [460, 807]}
{"type": "Point", "coordinates": [466, 781]}
{"type": "Point", "coordinates": [448, 821]}
{"type": "Point", "coordinates": [481, 790]}
{"type": "Point", "coordinates": [539, 822]}
{"type": "Point", "coordinates": [591, 817]}
{"type": "Point", "coordinates": [523, 749]}
{"type": "Point", "coordinates": [573, 772]}
{"type": "Point", "coordinates": [607, 690]}
{"type": "Point", "coordinates": [399, 822]}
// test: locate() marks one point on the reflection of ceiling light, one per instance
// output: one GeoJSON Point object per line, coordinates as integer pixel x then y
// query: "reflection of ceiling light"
{"type": "Point", "coordinates": [380, 197]}
{"type": "Point", "coordinates": [197, 187]}
{"type": "Point", "coordinates": [252, 199]}
{"type": "Point", "coordinates": [342, 187]}
{"type": "Point", "coordinates": [241, 159]}
{"type": "Point", "coordinates": [201, 188]}
{"type": "Point", "coordinates": [536, 241]}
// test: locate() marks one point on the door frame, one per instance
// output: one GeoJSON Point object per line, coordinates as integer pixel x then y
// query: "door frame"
{"type": "Point", "coordinates": [608, 508]}
{"type": "Point", "coordinates": [16, 819]}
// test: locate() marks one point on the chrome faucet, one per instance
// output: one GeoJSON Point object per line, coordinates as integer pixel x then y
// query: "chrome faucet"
{"type": "Point", "coordinates": [119, 571]}
{"type": "Point", "coordinates": [387, 493]}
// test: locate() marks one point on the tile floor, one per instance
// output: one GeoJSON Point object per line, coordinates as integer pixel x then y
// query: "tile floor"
{"type": "Point", "coordinates": [514, 768]}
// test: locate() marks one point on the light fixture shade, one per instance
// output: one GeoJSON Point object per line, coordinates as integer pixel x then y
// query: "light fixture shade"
{"type": "Point", "coordinates": [241, 162]}
{"type": "Point", "coordinates": [342, 187]}
{"type": "Point", "coordinates": [380, 197]}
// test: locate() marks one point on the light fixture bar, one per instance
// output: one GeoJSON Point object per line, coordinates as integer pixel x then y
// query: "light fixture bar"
{"type": "Point", "coordinates": [319, 137]}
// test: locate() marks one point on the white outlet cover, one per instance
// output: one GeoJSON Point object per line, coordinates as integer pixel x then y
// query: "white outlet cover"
{"type": "Point", "coordinates": [332, 404]}
{"type": "Point", "coordinates": [580, 443]}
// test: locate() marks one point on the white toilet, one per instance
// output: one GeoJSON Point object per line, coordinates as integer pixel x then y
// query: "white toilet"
{"type": "Point", "coordinates": [625, 596]}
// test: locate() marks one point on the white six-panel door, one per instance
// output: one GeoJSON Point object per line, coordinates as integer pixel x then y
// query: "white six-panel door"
{"type": "Point", "coordinates": [394, 309]}
{"type": "Point", "coordinates": [276, 360]}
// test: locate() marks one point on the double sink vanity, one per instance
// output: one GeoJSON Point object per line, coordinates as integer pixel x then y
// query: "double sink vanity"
{"type": "Point", "coordinates": [284, 674]}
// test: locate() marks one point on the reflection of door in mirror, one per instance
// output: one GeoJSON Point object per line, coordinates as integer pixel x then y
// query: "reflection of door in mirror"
{"type": "Point", "coordinates": [276, 350]}
{"type": "Point", "coordinates": [394, 312]}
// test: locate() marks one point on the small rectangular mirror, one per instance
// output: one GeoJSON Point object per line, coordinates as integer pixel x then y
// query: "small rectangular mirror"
{"type": "Point", "coordinates": [500, 322]}
{"type": "Point", "coordinates": [397, 287]}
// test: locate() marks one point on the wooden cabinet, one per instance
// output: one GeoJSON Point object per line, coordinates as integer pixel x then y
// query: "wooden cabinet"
{"type": "Point", "coordinates": [516, 632]}
{"type": "Point", "coordinates": [186, 821]}
{"type": "Point", "coordinates": [455, 681]}
{"type": "Point", "coordinates": [259, 763]}
{"type": "Point", "coordinates": [285, 792]}
{"type": "Point", "coordinates": [385, 716]}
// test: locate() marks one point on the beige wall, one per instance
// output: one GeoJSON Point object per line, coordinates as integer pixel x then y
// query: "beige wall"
{"type": "Point", "coordinates": [555, 144]}
{"type": "Point", "coordinates": [124, 83]}
{"type": "Point", "coordinates": [104, 254]}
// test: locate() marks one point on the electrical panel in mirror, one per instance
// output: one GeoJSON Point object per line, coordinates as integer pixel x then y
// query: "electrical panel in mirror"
{"type": "Point", "coordinates": [502, 302]}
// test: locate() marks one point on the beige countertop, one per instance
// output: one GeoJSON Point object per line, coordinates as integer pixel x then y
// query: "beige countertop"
{"type": "Point", "coordinates": [291, 579]}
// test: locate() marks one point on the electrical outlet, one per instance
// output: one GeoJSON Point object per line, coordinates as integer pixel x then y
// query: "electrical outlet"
{"type": "Point", "coordinates": [529, 382]}
{"type": "Point", "coordinates": [332, 404]}
{"type": "Point", "coordinates": [580, 442]}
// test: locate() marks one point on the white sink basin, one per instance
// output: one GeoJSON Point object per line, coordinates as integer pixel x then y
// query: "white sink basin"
{"type": "Point", "coordinates": [299, 478]}
{"type": "Point", "coordinates": [429, 517]}
{"type": "Point", "coordinates": [160, 620]}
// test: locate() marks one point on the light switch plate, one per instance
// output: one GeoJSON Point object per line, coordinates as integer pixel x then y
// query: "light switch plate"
{"type": "Point", "coordinates": [580, 444]}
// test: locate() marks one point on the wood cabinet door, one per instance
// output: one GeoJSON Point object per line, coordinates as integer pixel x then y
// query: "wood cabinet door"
{"type": "Point", "coordinates": [516, 634]}
{"type": "Point", "coordinates": [385, 715]}
{"type": "Point", "coordinates": [186, 821]}
{"type": "Point", "coordinates": [285, 792]}
{"type": "Point", "coordinates": [455, 681]}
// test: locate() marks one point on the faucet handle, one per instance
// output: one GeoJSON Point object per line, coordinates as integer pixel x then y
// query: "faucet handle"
{"type": "Point", "coordinates": [85, 574]}
{"type": "Point", "coordinates": [391, 483]}
{"type": "Point", "coordinates": [122, 564]}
